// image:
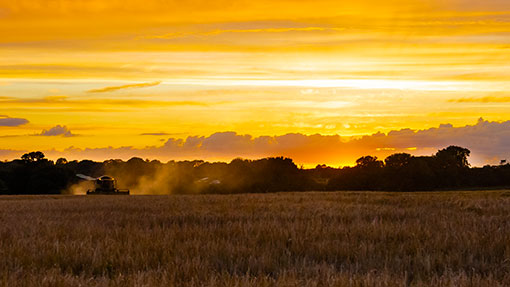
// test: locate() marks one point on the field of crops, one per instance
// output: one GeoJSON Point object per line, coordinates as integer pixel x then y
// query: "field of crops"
{"type": "Point", "coordinates": [280, 239]}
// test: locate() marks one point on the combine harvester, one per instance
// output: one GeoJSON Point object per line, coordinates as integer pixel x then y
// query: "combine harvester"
{"type": "Point", "coordinates": [104, 185]}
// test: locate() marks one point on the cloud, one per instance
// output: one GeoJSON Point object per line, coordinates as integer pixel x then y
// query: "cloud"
{"type": "Point", "coordinates": [155, 134]}
{"type": "Point", "coordinates": [489, 142]}
{"type": "Point", "coordinates": [96, 105]}
{"type": "Point", "coordinates": [489, 99]}
{"type": "Point", "coordinates": [260, 30]}
{"type": "Point", "coordinates": [130, 86]}
{"type": "Point", "coordinates": [9, 153]}
{"type": "Point", "coordinates": [57, 131]}
{"type": "Point", "coordinates": [6, 121]}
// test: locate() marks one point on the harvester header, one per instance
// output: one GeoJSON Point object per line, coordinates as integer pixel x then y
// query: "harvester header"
{"type": "Point", "coordinates": [104, 185]}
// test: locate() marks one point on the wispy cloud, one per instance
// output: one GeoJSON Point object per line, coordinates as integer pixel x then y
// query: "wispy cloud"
{"type": "Point", "coordinates": [155, 134]}
{"type": "Point", "coordinates": [6, 121]}
{"type": "Point", "coordinates": [176, 35]}
{"type": "Point", "coordinates": [94, 104]}
{"type": "Point", "coordinates": [130, 86]}
{"type": "Point", "coordinates": [489, 99]}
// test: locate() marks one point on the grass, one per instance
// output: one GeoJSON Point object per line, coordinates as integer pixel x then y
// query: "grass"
{"type": "Point", "coordinates": [282, 239]}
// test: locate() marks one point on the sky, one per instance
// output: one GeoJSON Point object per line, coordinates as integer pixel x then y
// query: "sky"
{"type": "Point", "coordinates": [320, 81]}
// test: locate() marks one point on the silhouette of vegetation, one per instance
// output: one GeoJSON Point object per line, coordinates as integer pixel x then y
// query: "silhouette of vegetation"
{"type": "Point", "coordinates": [33, 156]}
{"type": "Point", "coordinates": [447, 169]}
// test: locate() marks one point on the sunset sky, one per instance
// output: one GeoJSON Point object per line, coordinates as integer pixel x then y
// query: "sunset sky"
{"type": "Point", "coordinates": [321, 81]}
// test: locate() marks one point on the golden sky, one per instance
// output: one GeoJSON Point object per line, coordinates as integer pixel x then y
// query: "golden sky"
{"type": "Point", "coordinates": [92, 74]}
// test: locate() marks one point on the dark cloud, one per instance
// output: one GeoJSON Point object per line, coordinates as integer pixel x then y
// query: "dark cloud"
{"type": "Point", "coordinates": [6, 121]}
{"type": "Point", "coordinates": [488, 141]}
{"type": "Point", "coordinates": [57, 131]}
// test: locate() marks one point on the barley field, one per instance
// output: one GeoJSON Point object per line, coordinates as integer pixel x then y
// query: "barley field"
{"type": "Point", "coordinates": [280, 239]}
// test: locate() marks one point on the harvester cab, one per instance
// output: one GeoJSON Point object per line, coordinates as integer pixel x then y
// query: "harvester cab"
{"type": "Point", "coordinates": [104, 185]}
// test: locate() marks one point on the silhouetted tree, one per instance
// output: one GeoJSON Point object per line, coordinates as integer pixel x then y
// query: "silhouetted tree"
{"type": "Point", "coordinates": [452, 166]}
{"type": "Point", "coordinates": [369, 162]}
{"type": "Point", "coordinates": [397, 175]}
{"type": "Point", "coordinates": [453, 156]}
{"type": "Point", "coordinates": [3, 187]}
{"type": "Point", "coordinates": [398, 160]}
{"type": "Point", "coordinates": [447, 169]}
{"type": "Point", "coordinates": [33, 156]}
{"type": "Point", "coordinates": [420, 174]}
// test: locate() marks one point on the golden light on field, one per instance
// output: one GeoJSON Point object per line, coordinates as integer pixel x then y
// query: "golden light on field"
{"type": "Point", "coordinates": [134, 74]}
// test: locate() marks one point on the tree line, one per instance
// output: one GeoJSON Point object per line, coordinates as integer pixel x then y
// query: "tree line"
{"type": "Point", "coordinates": [447, 169]}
